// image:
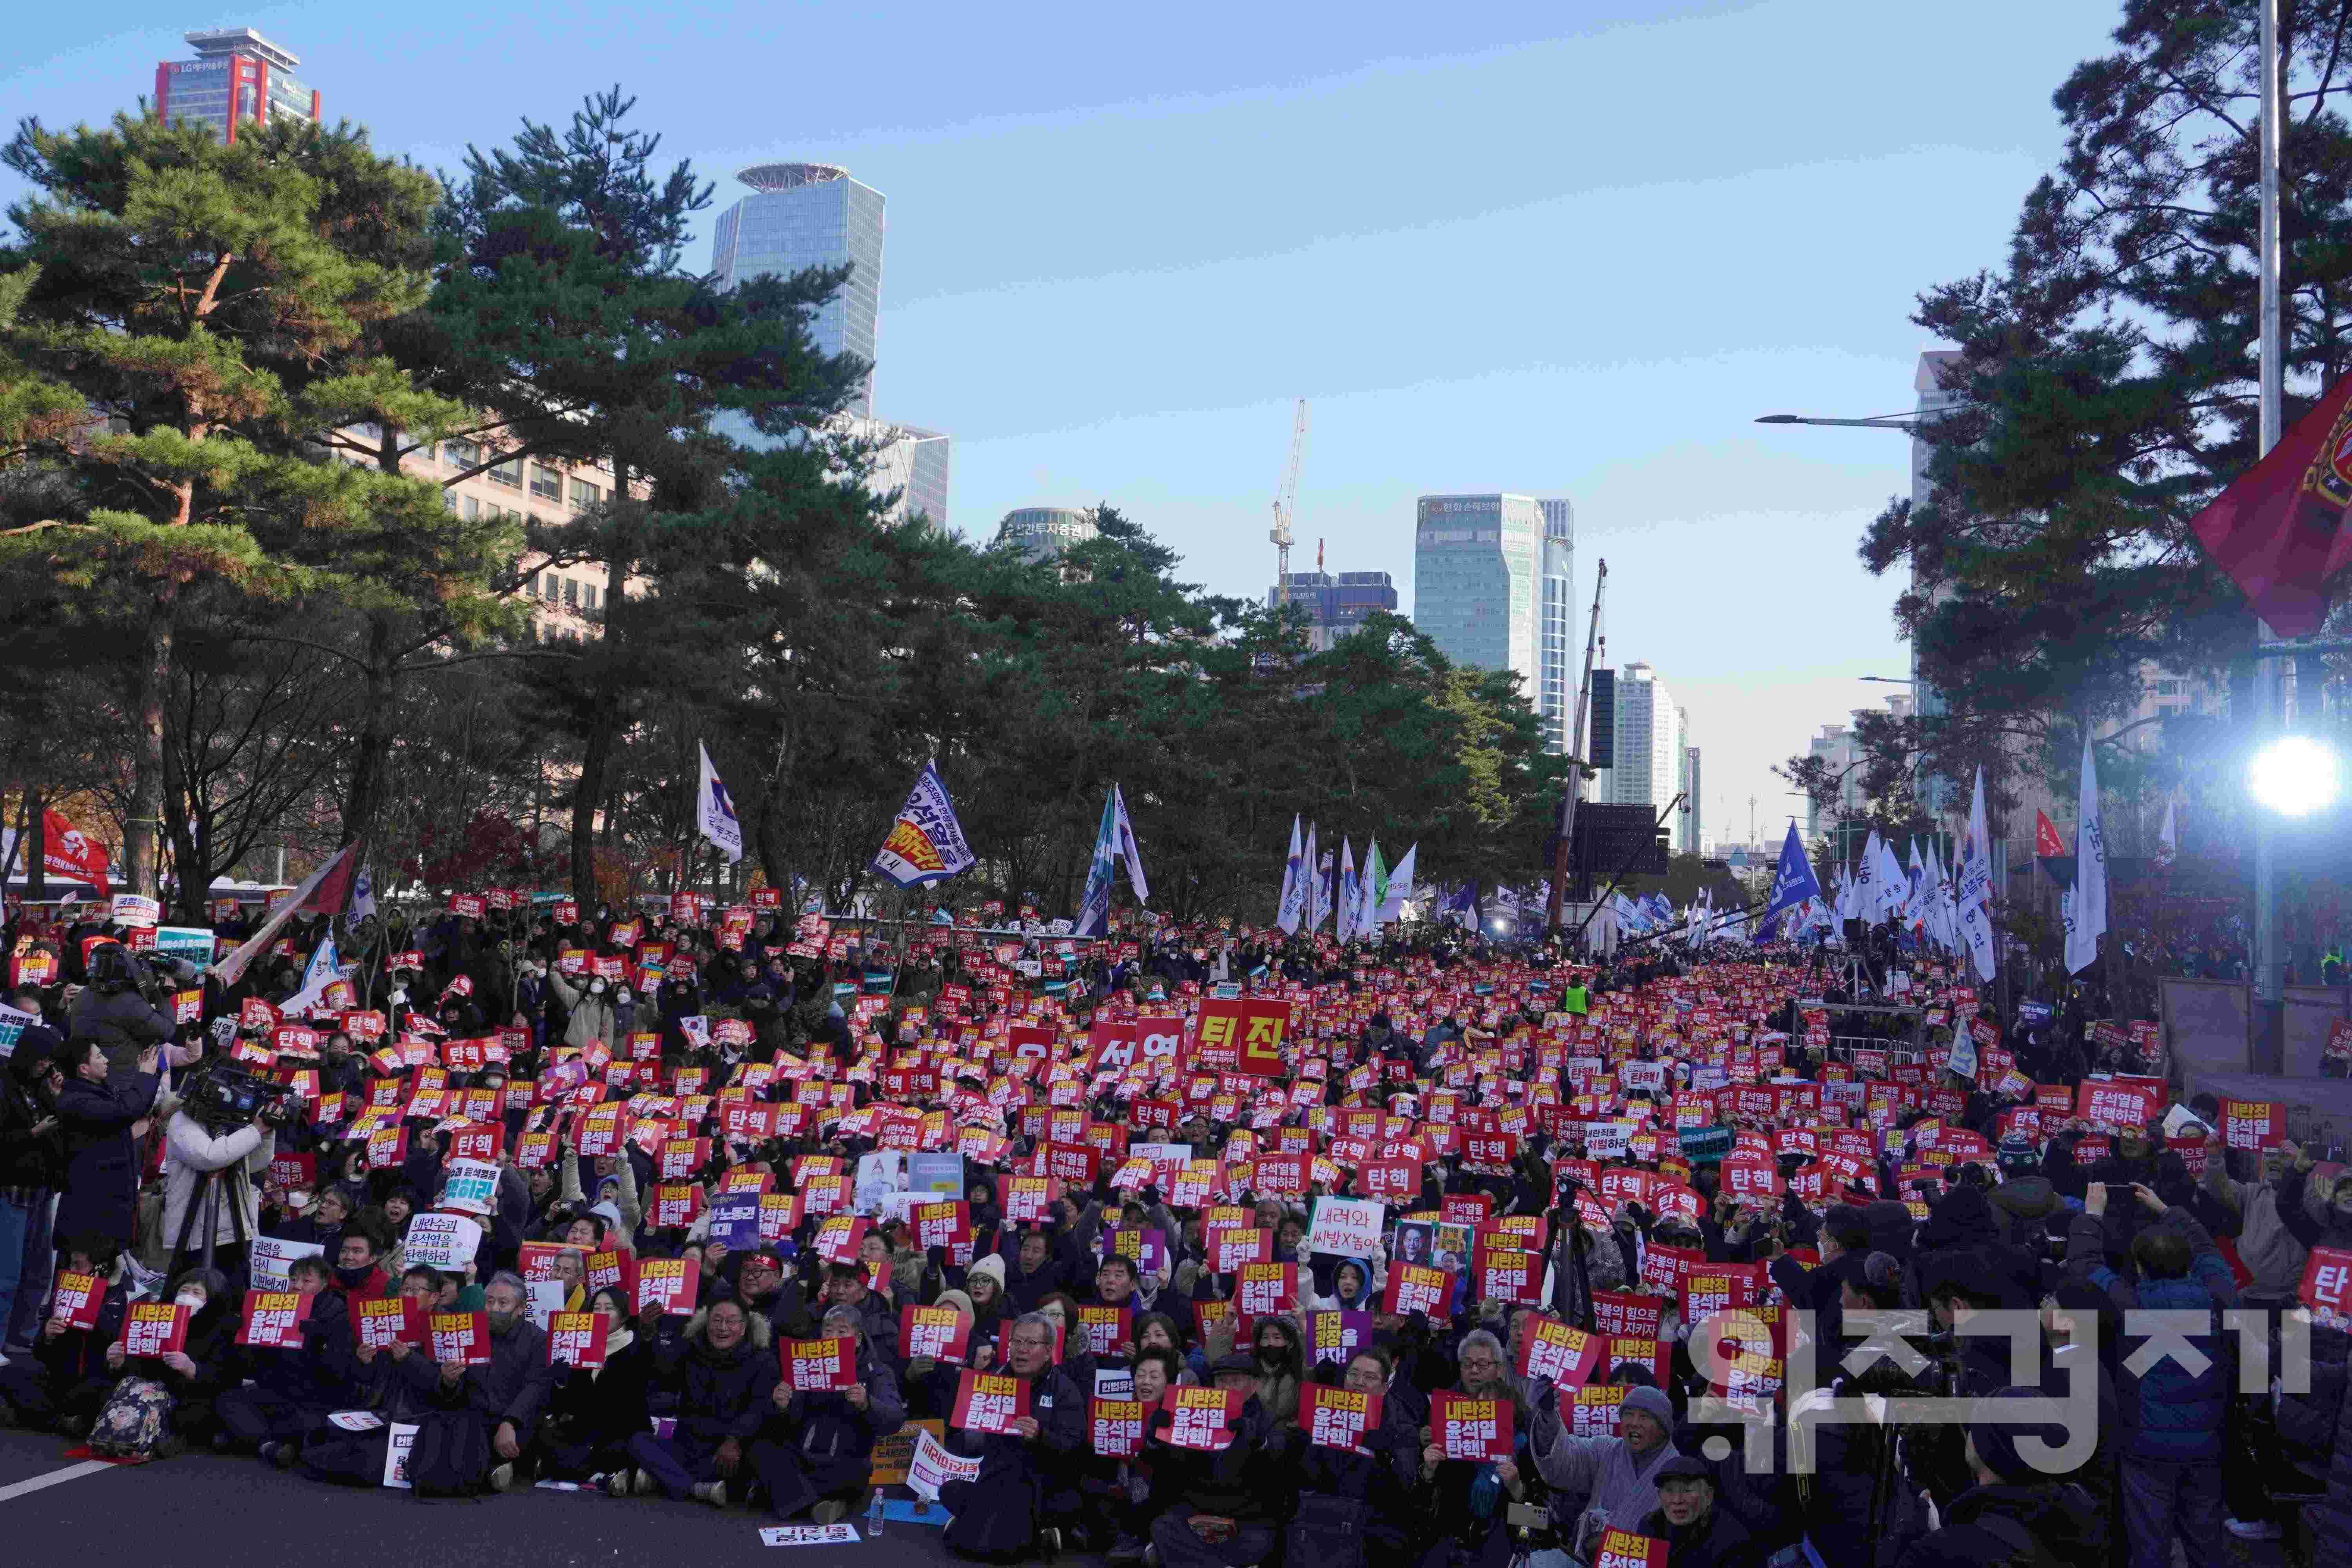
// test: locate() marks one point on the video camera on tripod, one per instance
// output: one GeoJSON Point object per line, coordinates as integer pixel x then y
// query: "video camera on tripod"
{"type": "Point", "coordinates": [222, 1096]}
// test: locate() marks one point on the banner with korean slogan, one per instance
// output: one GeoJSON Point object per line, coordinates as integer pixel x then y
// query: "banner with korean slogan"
{"type": "Point", "coordinates": [989, 1402]}
{"type": "Point", "coordinates": [933, 1466]}
{"type": "Point", "coordinates": [941, 1333]}
{"type": "Point", "coordinates": [2326, 1286]}
{"type": "Point", "coordinates": [272, 1320]}
{"type": "Point", "coordinates": [820, 1367]}
{"type": "Point", "coordinates": [1347, 1227]}
{"type": "Point", "coordinates": [1202, 1418]}
{"type": "Point", "coordinates": [1564, 1354]}
{"type": "Point", "coordinates": [1470, 1428]}
{"type": "Point", "coordinates": [576, 1339]}
{"type": "Point", "coordinates": [1115, 1427]}
{"type": "Point", "coordinates": [155, 1329]}
{"type": "Point", "coordinates": [1242, 1036]}
{"type": "Point", "coordinates": [1336, 1417]}
{"type": "Point", "coordinates": [1624, 1549]}
{"type": "Point", "coordinates": [925, 844]}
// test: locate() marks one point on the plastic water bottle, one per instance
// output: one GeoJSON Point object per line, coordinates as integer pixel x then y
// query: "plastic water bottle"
{"type": "Point", "coordinates": [874, 1515]}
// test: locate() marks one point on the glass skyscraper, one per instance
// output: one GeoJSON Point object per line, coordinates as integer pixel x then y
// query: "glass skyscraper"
{"type": "Point", "coordinates": [238, 77]}
{"type": "Point", "coordinates": [813, 214]}
{"type": "Point", "coordinates": [810, 214]}
{"type": "Point", "coordinates": [1493, 586]}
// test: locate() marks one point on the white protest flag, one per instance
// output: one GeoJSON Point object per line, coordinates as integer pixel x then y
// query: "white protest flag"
{"type": "Point", "coordinates": [1976, 886]}
{"type": "Point", "coordinates": [1893, 887]}
{"type": "Point", "coordinates": [1344, 904]}
{"type": "Point", "coordinates": [925, 843]}
{"type": "Point", "coordinates": [2167, 843]}
{"type": "Point", "coordinates": [716, 813]}
{"type": "Point", "coordinates": [1129, 849]}
{"type": "Point", "coordinates": [2090, 912]}
{"type": "Point", "coordinates": [1399, 886]}
{"type": "Point", "coordinates": [1865, 880]}
{"type": "Point", "coordinates": [324, 969]}
{"type": "Point", "coordinates": [362, 895]}
{"type": "Point", "coordinates": [1373, 883]}
{"type": "Point", "coordinates": [1294, 885]}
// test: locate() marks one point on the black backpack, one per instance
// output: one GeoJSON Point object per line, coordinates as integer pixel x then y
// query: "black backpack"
{"type": "Point", "coordinates": [451, 1454]}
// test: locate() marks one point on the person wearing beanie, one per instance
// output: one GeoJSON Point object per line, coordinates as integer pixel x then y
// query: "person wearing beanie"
{"type": "Point", "coordinates": [2026, 1198]}
{"type": "Point", "coordinates": [2015, 1510]}
{"type": "Point", "coordinates": [1698, 1533]}
{"type": "Point", "coordinates": [985, 1282]}
{"type": "Point", "coordinates": [1618, 1475]}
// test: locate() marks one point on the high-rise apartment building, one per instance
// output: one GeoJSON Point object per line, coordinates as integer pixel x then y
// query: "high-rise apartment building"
{"type": "Point", "coordinates": [238, 77]}
{"type": "Point", "coordinates": [1336, 603]}
{"type": "Point", "coordinates": [1694, 835]}
{"type": "Point", "coordinates": [813, 214]}
{"type": "Point", "coordinates": [1647, 768]}
{"type": "Point", "coordinates": [1557, 643]}
{"type": "Point", "coordinates": [810, 214]}
{"type": "Point", "coordinates": [1477, 564]}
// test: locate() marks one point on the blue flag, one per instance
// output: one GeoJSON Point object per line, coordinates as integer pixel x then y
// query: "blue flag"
{"type": "Point", "coordinates": [1093, 904]}
{"type": "Point", "coordinates": [1792, 881]}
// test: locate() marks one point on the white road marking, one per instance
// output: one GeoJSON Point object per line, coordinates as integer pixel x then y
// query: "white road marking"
{"type": "Point", "coordinates": [87, 1468]}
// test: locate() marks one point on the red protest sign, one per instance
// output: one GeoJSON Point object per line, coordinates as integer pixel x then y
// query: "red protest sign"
{"type": "Point", "coordinates": [1202, 1418]}
{"type": "Point", "coordinates": [989, 1402]}
{"type": "Point", "coordinates": [461, 1337]}
{"type": "Point", "coordinates": [2253, 1123]}
{"type": "Point", "coordinates": [1413, 1287]}
{"type": "Point", "coordinates": [2326, 1286]}
{"type": "Point", "coordinates": [1233, 1249]}
{"type": "Point", "coordinates": [1336, 1417]}
{"type": "Point", "coordinates": [1564, 1354]}
{"type": "Point", "coordinates": [78, 1300]}
{"type": "Point", "coordinates": [1106, 1328]}
{"type": "Point", "coordinates": [1470, 1428]}
{"type": "Point", "coordinates": [1508, 1274]}
{"type": "Point", "coordinates": [378, 1320]}
{"type": "Point", "coordinates": [670, 1284]}
{"type": "Point", "coordinates": [272, 1320]}
{"type": "Point", "coordinates": [1115, 1427]}
{"type": "Point", "coordinates": [1627, 1312]}
{"type": "Point", "coordinates": [1263, 1289]}
{"type": "Point", "coordinates": [616, 1269]}
{"type": "Point", "coordinates": [2110, 1103]}
{"type": "Point", "coordinates": [942, 1334]}
{"type": "Point", "coordinates": [838, 1238]}
{"type": "Point", "coordinates": [155, 1328]}
{"type": "Point", "coordinates": [1624, 1549]}
{"type": "Point", "coordinates": [1242, 1036]}
{"type": "Point", "coordinates": [577, 1338]}
{"type": "Point", "coordinates": [819, 1366]}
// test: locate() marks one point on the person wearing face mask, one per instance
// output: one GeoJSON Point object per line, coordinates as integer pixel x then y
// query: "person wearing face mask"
{"type": "Point", "coordinates": [724, 1372]}
{"type": "Point", "coordinates": [591, 1013]}
{"type": "Point", "coordinates": [291, 1391]}
{"type": "Point", "coordinates": [504, 1395]}
{"type": "Point", "coordinates": [395, 1384]}
{"type": "Point", "coordinates": [358, 1267]}
{"type": "Point", "coordinates": [1275, 1344]}
{"type": "Point", "coordinates": [161, 1402]}
{"type": "Point", "coordinates": [594, 1411]}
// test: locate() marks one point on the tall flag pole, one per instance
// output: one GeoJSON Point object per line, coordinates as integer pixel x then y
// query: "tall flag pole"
{"type": "Point", "coordinates": [925, 843]}
{"type": "Point", "coordinates": [714, 812]}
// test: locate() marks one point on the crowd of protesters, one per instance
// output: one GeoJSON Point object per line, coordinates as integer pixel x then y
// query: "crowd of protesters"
{"type": "Point", "coordinates": [1618, 1200]}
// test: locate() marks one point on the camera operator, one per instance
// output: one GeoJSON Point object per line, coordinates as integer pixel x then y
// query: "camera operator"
{"type": "Point", "coordinates": [115, 1011]}
{"type": "Point", "coordinates": [32, 1168]}
{"type": "Point", "coordinates": [200, 1146]}
{"type": "Point", "coordinates": [99, 1113]}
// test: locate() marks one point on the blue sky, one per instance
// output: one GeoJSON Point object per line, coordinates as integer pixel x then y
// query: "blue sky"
{"type": "Point", "coordinates": [1557, 249]}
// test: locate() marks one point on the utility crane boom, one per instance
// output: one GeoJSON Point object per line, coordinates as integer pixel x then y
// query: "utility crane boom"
{"type": "Point", "coordinates": [1286, 503]}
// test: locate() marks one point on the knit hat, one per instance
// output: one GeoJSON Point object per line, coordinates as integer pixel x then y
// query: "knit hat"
{"type": "Point", "coordinates": [958, 1300]}
{"type": "Point", "coordinates": [1651, 1402]}
{"type": "Point", "coordinates": [1996, 1438]}
{"type": "Point", "coordinates": [1688, 1466]}
{"type": "Point", "coordinates": [2017, 1152]}
{"type": "Point", "coordinates": [991, 1265]}
{"type": "Point", "coordinates": [611, 1212]}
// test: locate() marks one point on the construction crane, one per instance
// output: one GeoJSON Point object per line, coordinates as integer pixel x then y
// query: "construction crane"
{"type": "Point", "coordinates": [1286, 503]}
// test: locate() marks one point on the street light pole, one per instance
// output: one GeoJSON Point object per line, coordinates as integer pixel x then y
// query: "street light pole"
{"type": "Point", "coordinates": [2270, 959]}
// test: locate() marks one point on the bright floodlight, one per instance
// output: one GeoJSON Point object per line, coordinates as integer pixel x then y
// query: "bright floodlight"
{"type": "Point", "coordinates": [2295, 775]}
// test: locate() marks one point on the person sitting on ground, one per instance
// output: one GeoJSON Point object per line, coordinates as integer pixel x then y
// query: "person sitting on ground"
{"type": "Point", "coordinates": [724, 1373]}
{"type": "Point", "coordinates": [814, 1456]}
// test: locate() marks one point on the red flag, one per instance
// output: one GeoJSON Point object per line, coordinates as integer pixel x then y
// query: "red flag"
{"type": "Point", "coordinates": [65, 851]}
{"type": "Point", "coordinates": [2046, 841]}
{"type": "Point", "coordinates": [2277, 532]}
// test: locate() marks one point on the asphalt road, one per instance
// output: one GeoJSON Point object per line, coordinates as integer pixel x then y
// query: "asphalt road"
{"type": "Point", "coordinates": [201, 1509]}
